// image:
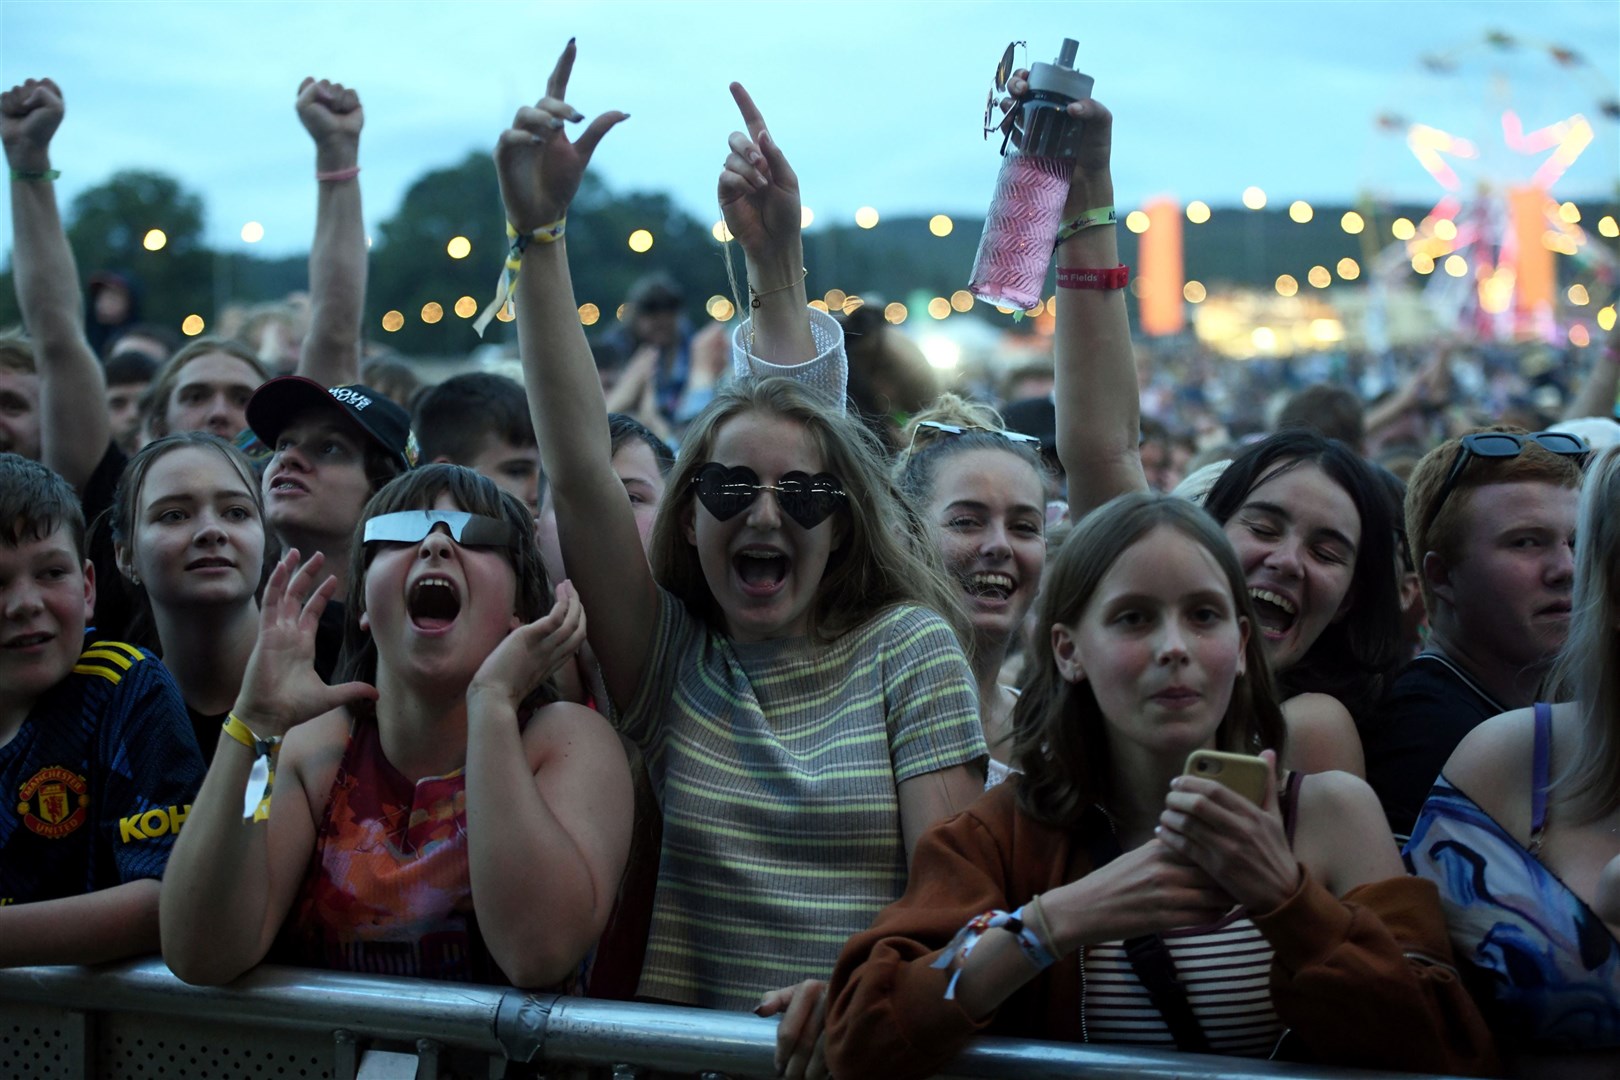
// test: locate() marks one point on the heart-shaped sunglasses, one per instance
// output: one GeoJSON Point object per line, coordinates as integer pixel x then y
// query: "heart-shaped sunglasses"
{"type": "Point", "coordinates": [809, 500]}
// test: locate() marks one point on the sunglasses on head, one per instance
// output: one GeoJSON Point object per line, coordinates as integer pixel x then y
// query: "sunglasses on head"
{"type": "Point", "coordinates": [413, 526]}
{"type": "Point", "coordinates": [727, 492]}
{"type": "Point", "coordinates": [927, 431]}
{"type": "Point", "coordinates": [1503, 444]}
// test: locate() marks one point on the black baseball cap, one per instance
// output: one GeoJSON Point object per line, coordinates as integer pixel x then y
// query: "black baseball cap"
{"type": "Point", "coordinates": [279, 402]}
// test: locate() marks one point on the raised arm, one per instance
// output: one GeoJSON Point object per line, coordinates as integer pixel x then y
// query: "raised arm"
{"type": "Point", "coordinates": [1098, 414]}
{"type": "Point", "coordinates": [540, 169]}
{"type": "Point", "coordinates": [230, 882]}
{"type": "Point", "coordinates": [759, 196]}
{"type": "Point", "coordinates": [74, 427]}
{"type": "Point", "coordinates": [1598, 391]}
{"type": "Point", "coordinates": [332, 115]}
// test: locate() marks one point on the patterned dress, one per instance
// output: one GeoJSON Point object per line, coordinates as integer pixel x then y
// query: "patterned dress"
{"type": "Point", "coordinates": [1550, 965]}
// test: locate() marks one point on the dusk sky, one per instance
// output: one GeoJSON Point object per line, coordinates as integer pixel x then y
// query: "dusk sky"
{"type": "Point", "coordinates": [875, 103]}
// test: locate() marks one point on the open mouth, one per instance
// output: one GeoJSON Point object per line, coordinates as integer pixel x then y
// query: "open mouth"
{"type": "Point", "coordinates": [1275, 613]}
{"type": "Point", "coordinates": [432, 603]}
{"type": "Point", "coordinates": [27, 641]}
{"type": "Point", "coordinates": [283, 485]}
{"type": "Point", "coordinates": [761, 569]}
{"type": "Point", "coordinates": [989, 586]}
{"type": "Point", "coordinates": [211, 563]}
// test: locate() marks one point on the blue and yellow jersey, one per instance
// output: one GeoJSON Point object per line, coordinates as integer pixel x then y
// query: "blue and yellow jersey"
{"type": "Point", "coordinates": [98, 780]}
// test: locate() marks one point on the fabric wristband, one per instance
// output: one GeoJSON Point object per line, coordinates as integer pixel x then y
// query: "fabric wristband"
{"type": "Point", "coordinates": [1102, 215]}
{"type": "Point", "coordinates": [1029, 942]}
{"type": "Point", "coordinates": [256, 796]}
{"type": "Point", "coordinates": [34, 177]}
{"type": "Point", "coordinates": [339, 174]}
{"type": "Point", "coordinates": [1074, 277]}
{"type": "Point", "coordinates": [545, 234]}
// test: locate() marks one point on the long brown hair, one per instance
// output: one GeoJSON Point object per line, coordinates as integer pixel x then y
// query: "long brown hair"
{"type": "Point", "coordinates": [1060, 738]}
{"type": "Point", "coordinates": [873, 569]}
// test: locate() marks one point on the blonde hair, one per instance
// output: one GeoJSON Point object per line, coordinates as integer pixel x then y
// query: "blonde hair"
{"type": "Point", "coordinates": [917, 465]}
{"type": "Point", "coordinates": [875, 568]}
{"type": "Point", "coordinates": [1586, 671]}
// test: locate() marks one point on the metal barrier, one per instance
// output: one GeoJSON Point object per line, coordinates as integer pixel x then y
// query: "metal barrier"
{"type": "Point", "coordinates": [138, 1020]}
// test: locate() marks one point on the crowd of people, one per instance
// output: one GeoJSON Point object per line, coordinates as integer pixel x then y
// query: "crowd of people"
{"type": "Point", "coordinates": [743, 670]}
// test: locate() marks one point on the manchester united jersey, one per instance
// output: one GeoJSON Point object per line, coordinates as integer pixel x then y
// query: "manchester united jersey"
{"type": "Point", "coordinates": [98, 780]}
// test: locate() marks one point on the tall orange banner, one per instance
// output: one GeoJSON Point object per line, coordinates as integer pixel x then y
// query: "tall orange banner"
{"type": "Point", "coordinates": [1535, 277]}
{"type": "Point", "coordinates": [1160, 270]}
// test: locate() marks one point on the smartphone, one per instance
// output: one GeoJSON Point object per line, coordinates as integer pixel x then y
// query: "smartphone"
{"type": "Point", "coordinates": [1238, 772]}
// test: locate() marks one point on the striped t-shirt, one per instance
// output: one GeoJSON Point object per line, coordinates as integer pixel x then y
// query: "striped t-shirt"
{"type": "Point", "coordinates": [1225, 968]}
{"type": "Point", "coordinates": [777, 765]}
{"type": "Point", "coordinates": [1227, 972]}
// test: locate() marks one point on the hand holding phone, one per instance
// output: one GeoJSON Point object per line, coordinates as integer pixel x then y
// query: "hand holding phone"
{"type": "Point", "coordinates": [1237, 772]}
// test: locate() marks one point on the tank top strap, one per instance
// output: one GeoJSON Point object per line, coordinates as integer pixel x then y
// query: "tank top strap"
{"type": "Point", "coordinates": [1289, 800]}
{"type": "Point", "coordinates": [1540, 781]}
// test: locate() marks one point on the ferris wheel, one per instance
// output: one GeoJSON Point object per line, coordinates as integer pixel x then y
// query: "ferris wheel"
{"type": "Point", "coordinates": [1497, 123]}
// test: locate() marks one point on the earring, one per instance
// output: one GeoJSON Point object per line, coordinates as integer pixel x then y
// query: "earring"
{"type": "Point", "coordinates": [134, 578]}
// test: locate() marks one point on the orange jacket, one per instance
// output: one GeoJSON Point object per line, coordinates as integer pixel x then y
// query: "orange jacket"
{"type": "Point", "coordinates": [1364, 981]}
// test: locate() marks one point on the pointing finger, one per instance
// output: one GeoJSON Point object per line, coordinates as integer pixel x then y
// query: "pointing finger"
{"type": "Point", "coordinates": [752, 118]}
{"type": "Point", "coordinates": [557, 84]}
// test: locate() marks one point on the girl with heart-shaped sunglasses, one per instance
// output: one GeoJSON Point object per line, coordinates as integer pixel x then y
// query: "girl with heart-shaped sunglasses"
{"type": "Point", "coordinates": [790, 663]}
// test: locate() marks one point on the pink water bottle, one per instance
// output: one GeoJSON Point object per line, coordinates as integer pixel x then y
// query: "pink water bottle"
{"type": "Point", "coordinates": [1027, 210]}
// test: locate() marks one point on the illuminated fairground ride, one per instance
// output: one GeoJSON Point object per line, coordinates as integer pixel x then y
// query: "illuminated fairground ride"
{"type": "Point", "coordinates": [1490, 247]}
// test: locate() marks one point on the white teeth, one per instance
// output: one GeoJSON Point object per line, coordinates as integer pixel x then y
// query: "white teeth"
{"type": "Point", "coordinates": [994, 581]}
{"type": "Point", "coordinates": [443, 583]}
{"type": "Point", "coordinates": [1273, 598]}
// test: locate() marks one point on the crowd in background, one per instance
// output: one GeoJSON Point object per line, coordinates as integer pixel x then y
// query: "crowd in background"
{"type": "Point", "coordinates": [748, 666]}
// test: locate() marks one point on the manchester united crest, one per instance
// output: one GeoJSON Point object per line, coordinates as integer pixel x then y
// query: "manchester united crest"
{"type": "Point", "coordinates": [54, 802]}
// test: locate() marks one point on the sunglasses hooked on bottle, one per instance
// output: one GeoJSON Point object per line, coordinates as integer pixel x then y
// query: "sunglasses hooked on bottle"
{"type": "Point", "coordinates": [809, 500]}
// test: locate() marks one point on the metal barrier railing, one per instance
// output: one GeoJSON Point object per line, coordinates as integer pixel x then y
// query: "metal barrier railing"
{"type": "Point", "coordinates": [137, 1019]}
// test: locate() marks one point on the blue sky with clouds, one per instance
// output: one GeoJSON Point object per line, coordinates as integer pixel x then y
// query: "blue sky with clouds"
{"type": "Point", "coordinates": [875, 103]}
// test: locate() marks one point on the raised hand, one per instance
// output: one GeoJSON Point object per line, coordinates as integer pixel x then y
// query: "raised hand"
{"type": "Point", "coordinates": [759, 192]}
{"type": "Point", "coordinates": [329, 110]}
{"type": "Point", "coordinates": [1240, 845]}
{"type": "Point", "coordinates": [529, 655]}
{"type": "Point", "coordinates": [800, 1045]}
{"type": "Point", "coordinates": [539, 167]}
{"type": "Point", "coordinates": [1091, 163]}
{"type": "Point", "coordinates": [30, 113]}
{"type": "Point", "coordinates": [1147, 890]}
{"type": "Point", "coordinates": [280, 688]}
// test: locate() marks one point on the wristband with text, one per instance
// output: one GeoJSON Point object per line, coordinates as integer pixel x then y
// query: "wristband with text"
{"type": "Point", "coordinates": [1074, 277]}
{"type": "Point", "coordinates": [1102, 215]}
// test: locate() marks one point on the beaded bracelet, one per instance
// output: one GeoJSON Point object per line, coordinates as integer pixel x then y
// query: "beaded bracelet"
{"type": "Point", "coordinates": [1030, 944]}
{"type": "Point", "coordinates": [549, 233]}
{"type": "Point", "coordinates": [35, 177]}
